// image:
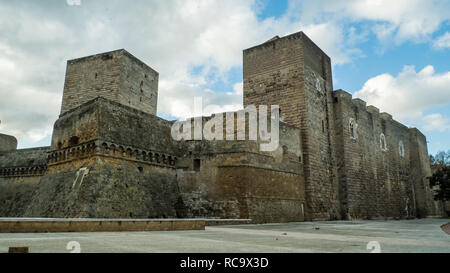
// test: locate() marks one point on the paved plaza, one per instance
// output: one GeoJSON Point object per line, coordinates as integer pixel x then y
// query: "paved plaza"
{"type": "Point", "coordinates": [420, 235]}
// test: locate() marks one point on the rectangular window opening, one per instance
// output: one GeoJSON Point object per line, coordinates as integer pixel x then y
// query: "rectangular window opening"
{"type": "Point", "coordinates": [196, 164]}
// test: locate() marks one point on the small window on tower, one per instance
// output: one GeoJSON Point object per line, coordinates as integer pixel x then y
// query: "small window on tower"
{"type": "Point", "coordinates": [196, 164]}
{"type": "Point", "coordinates": [383, 144]}
{"type": "Point", "coordinates": [74, 141]}
{"type": "Point", "coordinates": [285, 150]}
{"type": "Point", "coordinates": [352, 128]}
{"type": "Point", "coordinates": [401, 149]}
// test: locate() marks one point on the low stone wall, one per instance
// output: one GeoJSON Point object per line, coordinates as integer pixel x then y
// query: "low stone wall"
{"type": "Point", "coordinates": [28, 225]}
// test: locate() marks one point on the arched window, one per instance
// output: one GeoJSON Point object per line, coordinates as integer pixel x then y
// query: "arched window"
{"type": "Point", "coordinates": [352, 127]}
{"type": "Point", "coordinates": [383, 145]}
{"type": "Point", "coordinates": [401, 149]}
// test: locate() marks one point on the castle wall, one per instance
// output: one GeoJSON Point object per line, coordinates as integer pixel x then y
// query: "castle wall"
{"type": "Point", "coordinates": [420, 171]}
{"type": "Point", "coordinates": [111, 188]}
{"type": "Point", "coordinates": [234, 179]}
{"type": "Point", "coordinates": [319, 142]}
{"type": "Point", "coordinates": [7, 143]}
{"type": "Point", "coordinates": [375, 182]}
{"type": "Point", "coordinates": [138, 85]}
{"type": "Point", "coordinates": [116, 75]}
{"type": "Point", "coordinates": [294, 73]}
{"type": "Point", "coordinates": [111, 122]}
{"type": "Point", "coordinates": [112, 157]}
{"type": "Point", "coordinates": [20, 173]}
{"type": "Point", "coordinates": [273, 75]}
{"type": "Point", "coordinates": [121, 165]}
{"type": "Point", "coordinates": [131, 127]}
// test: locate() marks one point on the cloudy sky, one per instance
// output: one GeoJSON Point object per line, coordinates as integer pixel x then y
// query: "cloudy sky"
{"type": "Point", "coordinates": [393, 54]}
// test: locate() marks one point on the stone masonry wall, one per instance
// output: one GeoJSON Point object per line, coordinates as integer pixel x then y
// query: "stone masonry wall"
{"type": "Point", "coordinates": [273, 75]}
{"type": "Point", "coordinates": [103, 187]}
{"type": "Point", "coordinates": [375, 182]}
{"type": "Point", "coordinates": [7, 143]}
{"type": "Point", "coordinates": [116, 75]}
{"type": "Point", "coordinates": [20, 173]}
{"type": "Point", "coordinates": [319, 144]}
{"type": "Point", "coordinates": [111, 156]}
{"type": "Point", "coordinates": [294, 73]}
{"type": "Point", "coordinates": [109, 121]}
{"type": "Point", "coordinates": [234, 179]}
{"type": "Point", "coordinates": [420, 171]}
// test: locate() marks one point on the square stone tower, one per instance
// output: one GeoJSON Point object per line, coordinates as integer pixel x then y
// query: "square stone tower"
{"type": "Point", "coordinates": [115, 75]}
{"type": "Point", "coordinates": [295, 74]}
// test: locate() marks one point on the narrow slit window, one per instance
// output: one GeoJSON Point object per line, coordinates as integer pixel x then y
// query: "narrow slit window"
{"type": "Point", "coordinates": [196, 164]}
{"type": "Point", "coordinates": [383, 145]}
{"type": "Point", "coordinates": [352, 128]}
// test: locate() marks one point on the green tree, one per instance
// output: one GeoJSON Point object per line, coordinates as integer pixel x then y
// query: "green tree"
{"type": "Point", "coordinates": [441, 178]}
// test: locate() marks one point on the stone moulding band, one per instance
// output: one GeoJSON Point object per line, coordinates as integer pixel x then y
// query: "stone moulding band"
{"type": "Point", "coordinates": [112, 150]}
{"type": "Point", "coordinates": [23, 171]}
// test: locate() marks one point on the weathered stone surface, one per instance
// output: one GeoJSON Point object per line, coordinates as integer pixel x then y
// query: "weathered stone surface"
{"type": "Point", "coordinates": [110, 189]}
{"type": "Point", "coordinates": [20, 173]}
{"type": "Point", "coordinates": [7, 143]}
{"type": "Point", "coordinates": [295, 74]}
{"type": "Point", "coordinates": [345, 175]}
{"type": "Point", "coordinates": [111, 157]}
{"type": "Point", "coordinates": [116, 75]}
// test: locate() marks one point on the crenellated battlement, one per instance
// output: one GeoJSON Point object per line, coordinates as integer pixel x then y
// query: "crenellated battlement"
{"type": "Point", "coordinates": [112, 150]}
{"type": "Point", "coordinates": [361, 104]}
{"type": "Point", "coordinates": [373, 110]}
{"type": "Point", "coordinates": [386, 116]}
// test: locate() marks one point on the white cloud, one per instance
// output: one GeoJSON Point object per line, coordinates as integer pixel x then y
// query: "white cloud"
{"type": "Point", "coordinates": [397, 21]}
{"type": "Point", "coordinates": [173, 37]}
{"type": "Point", "coordinates": [442, 41]}
{"type": "Point", "coordinates": [409, 95]}
{"type": "Point", "coordinates": [179, 100]}
{"type": "Point", "coordinates": [435, 122]}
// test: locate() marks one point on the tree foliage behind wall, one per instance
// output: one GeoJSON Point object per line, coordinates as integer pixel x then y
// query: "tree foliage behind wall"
{"type": "Point", "coordinates": [441, 158]}
{"type": "Point", "coordinates": [441, 178]}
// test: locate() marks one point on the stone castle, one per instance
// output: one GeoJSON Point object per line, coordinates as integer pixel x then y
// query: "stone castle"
{"type": "Point", "coordinates": [112, 157]}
